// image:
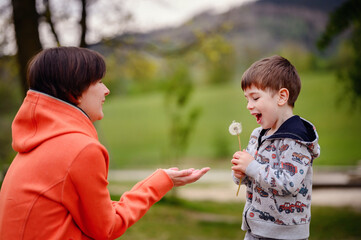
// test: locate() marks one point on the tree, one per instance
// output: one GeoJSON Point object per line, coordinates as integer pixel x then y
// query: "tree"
{"type": "Point", "coordinates": [29, 15]}
{"type": "Point", "coordinates": [182, 117]}
{"type": "Point", "coordinates": [25, 20]}
{"type": "Point", "coordinates": [347, 16]}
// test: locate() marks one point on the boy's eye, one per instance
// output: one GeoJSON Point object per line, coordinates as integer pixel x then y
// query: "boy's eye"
{"type": "Point", "coordinates": [256, 98]}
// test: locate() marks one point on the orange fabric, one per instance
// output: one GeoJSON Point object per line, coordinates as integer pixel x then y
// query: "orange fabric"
{"type": "Point", "coordinates": [56, 187]}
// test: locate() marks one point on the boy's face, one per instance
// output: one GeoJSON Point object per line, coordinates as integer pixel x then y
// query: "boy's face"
{"type": "Point", "coordinates": [263, 104]}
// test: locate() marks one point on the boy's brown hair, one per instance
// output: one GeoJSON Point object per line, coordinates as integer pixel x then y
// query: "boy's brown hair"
{"type": "Point", "coordinates": [273, 73]}
{"type": "Point", "coordinates": [65, 72]}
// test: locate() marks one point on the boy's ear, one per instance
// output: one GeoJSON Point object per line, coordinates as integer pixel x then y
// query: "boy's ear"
{"type": "Point", "coordinates": [283, 95]}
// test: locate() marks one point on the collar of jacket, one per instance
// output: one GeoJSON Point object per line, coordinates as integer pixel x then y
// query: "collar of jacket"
{"type": "Point", "coordinates": [295, 128]}
{"type": "Point", "coordinates": [69, 103]}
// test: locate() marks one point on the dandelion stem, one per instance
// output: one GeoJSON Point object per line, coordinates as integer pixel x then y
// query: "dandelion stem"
{"type": "Point", "coordinates": [240, 149]}
{"type": "Point", "coordinates": [239, 186]}
{"type": "Point", "coordinates": [239, 142]}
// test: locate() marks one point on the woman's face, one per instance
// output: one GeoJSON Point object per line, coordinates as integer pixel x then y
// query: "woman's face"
{"type": "Point", "coordinates": [92, 99]}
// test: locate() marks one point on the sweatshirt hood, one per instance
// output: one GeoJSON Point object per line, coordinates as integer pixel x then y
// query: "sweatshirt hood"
{"type": "Point", "coordinates": [297, 129]}
{"type": "Point", "coordinates": [42, 117]}
{"type": "Point", "coordinates": [300, 130]}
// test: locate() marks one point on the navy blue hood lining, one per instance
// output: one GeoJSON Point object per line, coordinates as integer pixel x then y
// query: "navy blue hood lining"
{"type": "Point", "coordinates": [294, 128]}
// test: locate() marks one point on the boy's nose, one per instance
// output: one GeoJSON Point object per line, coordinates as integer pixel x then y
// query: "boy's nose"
{"type": "Point", "coordinates": [249, 106]}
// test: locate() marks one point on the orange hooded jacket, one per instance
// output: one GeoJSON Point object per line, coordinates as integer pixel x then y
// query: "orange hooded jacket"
{"type": "Point", "coordinates": [56, 187]}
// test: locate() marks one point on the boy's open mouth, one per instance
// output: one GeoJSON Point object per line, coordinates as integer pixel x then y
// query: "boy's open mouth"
{"type": "Point", "coordinates": [258, 118]}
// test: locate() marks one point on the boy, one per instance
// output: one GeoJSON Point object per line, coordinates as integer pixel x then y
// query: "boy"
{"type": "Point", "coordinates": [277, 165]}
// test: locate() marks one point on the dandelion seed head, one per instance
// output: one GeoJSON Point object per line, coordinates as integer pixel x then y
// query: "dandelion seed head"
{"type": "Point", "coordinates": [235, 128]}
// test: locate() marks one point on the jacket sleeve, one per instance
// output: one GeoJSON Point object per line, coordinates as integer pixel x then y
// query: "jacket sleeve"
{"type": "Point", "coordinates": [294, 164]}
{"type": "Point", "coordinates": [88, 200]}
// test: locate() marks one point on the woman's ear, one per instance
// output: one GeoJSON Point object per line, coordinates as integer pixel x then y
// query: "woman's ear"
{"type": "Point", "coordinates": [283, 95]}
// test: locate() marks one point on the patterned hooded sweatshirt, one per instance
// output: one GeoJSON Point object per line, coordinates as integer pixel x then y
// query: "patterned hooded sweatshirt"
{"type": "Point", "coordinates": [279, 181]}
{"type": "Point", "coordinates": [56, 187]}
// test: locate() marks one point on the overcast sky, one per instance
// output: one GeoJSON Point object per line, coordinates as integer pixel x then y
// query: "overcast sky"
{"type": "Point", "coordinates": [151, 14]}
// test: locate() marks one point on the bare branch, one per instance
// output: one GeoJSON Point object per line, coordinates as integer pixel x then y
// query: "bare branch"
{"type": "Point", "coordinates": [47, 15]}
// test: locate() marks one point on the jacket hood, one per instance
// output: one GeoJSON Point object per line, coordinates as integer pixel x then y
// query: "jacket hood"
{"type": "Point", "coordinates": [300, 130]}
{"type": "Point", "coordinates": [296, 128]}
{"type": "Point", "coordinates": [42, 117]}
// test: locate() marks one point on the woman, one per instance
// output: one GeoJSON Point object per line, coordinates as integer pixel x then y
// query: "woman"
{"type": "Point", "coordinates": [56, 187]}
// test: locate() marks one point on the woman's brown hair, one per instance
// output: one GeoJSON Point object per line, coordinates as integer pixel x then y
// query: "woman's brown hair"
{"type": "Point", "coordinates": [65, 72]}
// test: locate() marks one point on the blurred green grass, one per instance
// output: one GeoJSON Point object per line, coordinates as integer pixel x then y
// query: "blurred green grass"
{"type": "Point", "coordinates": [135, 128]}
{"type": "Point", "coordinates": [188, 220]}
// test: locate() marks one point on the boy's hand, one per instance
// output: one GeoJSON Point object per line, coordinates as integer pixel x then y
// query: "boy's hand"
{"type": "Point", "coordinates": [238, 174]}
{"type": "Point", "coordinates": [240, 162]}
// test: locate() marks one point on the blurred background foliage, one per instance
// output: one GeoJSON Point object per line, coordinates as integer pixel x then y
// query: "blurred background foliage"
{"type": "Point", "coordinates": [174, 91]}
{"type": "Point", "coordinates": [10, 99]}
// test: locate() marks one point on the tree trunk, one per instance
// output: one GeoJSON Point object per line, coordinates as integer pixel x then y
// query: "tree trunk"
{"type": "Point", "coordinates": [27, 35]}
{"type": "Point", "coordinates": [83, 24]}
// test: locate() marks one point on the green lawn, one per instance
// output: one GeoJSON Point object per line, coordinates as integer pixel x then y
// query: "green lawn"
{"type": "Point", "coordinates": [135, 128]}
{"type": "Point", "coordinates": [211, 221]}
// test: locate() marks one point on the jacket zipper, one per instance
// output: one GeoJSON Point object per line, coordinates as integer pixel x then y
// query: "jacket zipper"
{"type": "Point", "coordinates": [260, 142]}
{"type": "Point", "coordinates": [245, 218]}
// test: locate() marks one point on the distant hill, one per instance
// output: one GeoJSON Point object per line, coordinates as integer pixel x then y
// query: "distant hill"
{"type": "Point", "coordinates": [256, 29]}
{"type": "Point", "coordinates": [321, 5]}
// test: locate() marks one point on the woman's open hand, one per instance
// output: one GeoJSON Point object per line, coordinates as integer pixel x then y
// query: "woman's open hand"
{"type": "Point", "coordinates": [186, 176]}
